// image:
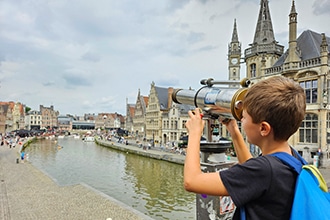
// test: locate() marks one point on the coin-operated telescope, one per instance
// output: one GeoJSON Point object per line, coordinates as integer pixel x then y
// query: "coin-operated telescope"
{"type": "Point", "coordinates": [215, 101]}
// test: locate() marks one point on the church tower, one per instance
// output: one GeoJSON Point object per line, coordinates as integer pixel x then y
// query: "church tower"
{"type": "Point", "coordinates": [265, 50]}
{"type": "Point", "coordinates": [234, 56]}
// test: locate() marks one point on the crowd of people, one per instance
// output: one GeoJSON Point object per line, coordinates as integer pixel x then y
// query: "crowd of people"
{"type": "Point", "coordinates": [12, 140]}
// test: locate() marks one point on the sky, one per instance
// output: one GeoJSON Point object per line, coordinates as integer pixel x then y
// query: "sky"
{"type": "Point", "coordinates": [83, 56]}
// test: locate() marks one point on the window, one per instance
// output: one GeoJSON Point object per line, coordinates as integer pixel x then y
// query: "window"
{"type": "Point", "coordinates": [310, 88]}
{"type": "Point", "coordinates": [253, 67]}
{"type": "Point", "coordinates": [308, 129]}
{"type": "Point", "coordinates": [183, 123]}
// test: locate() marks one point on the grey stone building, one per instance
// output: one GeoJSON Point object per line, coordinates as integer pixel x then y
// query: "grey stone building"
{"type": "Point", "coordinates": [307, 62]}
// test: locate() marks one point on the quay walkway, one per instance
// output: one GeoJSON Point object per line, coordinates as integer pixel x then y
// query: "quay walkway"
{"type": "Point", "coordinates": [154, 152]}
{"type": "Point", "coordinates": [26, 193]}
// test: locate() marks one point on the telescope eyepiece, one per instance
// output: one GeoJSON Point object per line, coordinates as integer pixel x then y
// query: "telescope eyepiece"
{"type": "Point", "coordinates": [245, 82]}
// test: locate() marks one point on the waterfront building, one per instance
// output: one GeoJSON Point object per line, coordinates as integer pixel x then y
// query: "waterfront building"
{"type": "Point", "coordinates": [158, 118]}
{"type": "Point", "coordinates": [83, 125]}
{"type": "Point", "coordinates": [102, 121]}
{"type": "Point", "coordinates": [174, 123]}
{"type": "Point", "coordinates": [159, 102]}
{"type": "Point", "coordinates": [109, 121]}
{"type": "Point", "coordinates": [64, 123]}
{"type": "Point", "coordinates": [18, 115]}
{"type": "Point", "coordinates": [139, 118]}
{"type": "Point", "coordinates": [130, 111]}
{"type": "Point", "coordinates": [49, 117]}
{"type": "Point", "coordinates": [87, 117]}
{"type": "Point", "coordinates": [12, 116]}
{"type": "Point", "coordinates": [33, 120]}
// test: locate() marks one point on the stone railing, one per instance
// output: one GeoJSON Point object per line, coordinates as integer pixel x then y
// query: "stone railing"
{"type": "Point", "coordinates": [294, 66]}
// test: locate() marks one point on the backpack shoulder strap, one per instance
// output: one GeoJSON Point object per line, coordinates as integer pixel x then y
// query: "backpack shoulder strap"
{"type": "Point", "coordinates": [293, 162]}
{"type": "Point", "coordinates": [318, 176]}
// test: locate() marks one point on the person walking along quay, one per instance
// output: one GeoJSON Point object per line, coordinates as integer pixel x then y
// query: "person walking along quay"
{"type": "Point", "coordinates": [27, 193]}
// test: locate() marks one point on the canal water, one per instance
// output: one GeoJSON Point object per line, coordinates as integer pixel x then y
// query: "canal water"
{"type": "Point", "coordinates": [153, 187]}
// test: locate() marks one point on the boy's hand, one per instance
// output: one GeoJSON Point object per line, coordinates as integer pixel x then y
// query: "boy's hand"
{"type": "Point", "coordinates": [231, 125]}
{"type": "Point", "coordinates": [195, 124]}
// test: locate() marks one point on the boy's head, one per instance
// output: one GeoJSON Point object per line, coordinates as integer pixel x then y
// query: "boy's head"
{"type": "Point", "coordinates": [280, 102]}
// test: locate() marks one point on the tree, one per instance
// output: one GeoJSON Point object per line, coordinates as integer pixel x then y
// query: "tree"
{"type": "Point", "coordinates": [27, 109]}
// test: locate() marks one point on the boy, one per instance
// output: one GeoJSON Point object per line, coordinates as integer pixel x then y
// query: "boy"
{"type": "Point", "coordinates": [273, 110]}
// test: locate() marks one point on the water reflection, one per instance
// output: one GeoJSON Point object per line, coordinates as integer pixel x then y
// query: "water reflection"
{"type": "Point", "coordinates": [151, 186]}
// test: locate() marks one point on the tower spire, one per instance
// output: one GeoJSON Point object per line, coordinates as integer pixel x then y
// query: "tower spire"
{"type": "Point", "coordinates": [264, 33]}
{"type": "Point", "coordinates": [264, 50]}
{"type": "Point", "coordinates": [293, 47]}
{"type": "Point", "coordinates": [234, 55]}
{"type": "Point", "coordinates": [234, 37]}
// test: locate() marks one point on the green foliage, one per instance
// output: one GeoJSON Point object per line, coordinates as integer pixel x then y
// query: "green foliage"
{"type": "Point", "coordinates": [27, 109]}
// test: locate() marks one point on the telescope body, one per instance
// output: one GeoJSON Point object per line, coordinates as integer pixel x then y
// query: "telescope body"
{"type": "Point", "coordinates": [226, 102]}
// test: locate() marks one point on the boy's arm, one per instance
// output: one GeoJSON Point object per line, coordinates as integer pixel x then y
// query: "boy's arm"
{"type": "Point", "coordinates": [194, 179]}
{"type": "Point", "coordinates": [242, 152]}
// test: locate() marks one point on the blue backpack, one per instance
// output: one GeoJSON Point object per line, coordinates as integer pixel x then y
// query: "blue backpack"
{"type": "Point", "coordinates": [311, 198]}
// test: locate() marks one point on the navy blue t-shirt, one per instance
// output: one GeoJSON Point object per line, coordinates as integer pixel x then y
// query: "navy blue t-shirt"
{"type": "Point", "coordinates": [263, 185]}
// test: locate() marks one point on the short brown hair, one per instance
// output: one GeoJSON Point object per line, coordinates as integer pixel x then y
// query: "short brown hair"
{"type": "Point", "coordinates": [279, 101]}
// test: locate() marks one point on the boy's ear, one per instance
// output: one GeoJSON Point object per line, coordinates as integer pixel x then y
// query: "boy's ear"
{"type": "Point", "coordinates": [265, 128]}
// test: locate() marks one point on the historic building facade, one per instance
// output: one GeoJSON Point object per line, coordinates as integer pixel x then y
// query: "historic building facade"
{"type": "Point", "coordinates": [307, 62]}
{"type": "Point", "coordinates": [64, 123]}
{"type": "Point", "coordinates": [157, 119]}
{"type": "Point", "coordinates": [130, 111]}
{"type": "Point", "coordinates": [159, 102]}
{"type": "Point", "coordinates": [174, 123]}
{"type": "Point", "coordinates": [49, 117]}
{"type": "Point", "coordinates": [139, 125]}
{"type": "Point", "coordinates": [12, 116]}
{"type": "Point", "coordinates": [109, 121]}
{"type": "Point", "coordinates": [33, 120]}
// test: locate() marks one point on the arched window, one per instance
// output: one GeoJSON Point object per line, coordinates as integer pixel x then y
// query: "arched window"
{"type": "Point", "coordinates": [308, 129]}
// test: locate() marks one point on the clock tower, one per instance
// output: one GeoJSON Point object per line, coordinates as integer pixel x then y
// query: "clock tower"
{"type": "Point", "coordinates": [234, 56]}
